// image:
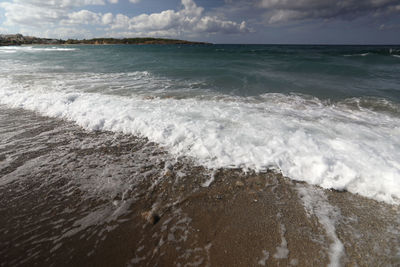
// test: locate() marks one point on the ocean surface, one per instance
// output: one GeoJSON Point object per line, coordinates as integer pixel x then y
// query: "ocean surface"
{"type": "Point", "coordinates": [327, 115]}
{"type": "Point", "coordinates": [91, 138]}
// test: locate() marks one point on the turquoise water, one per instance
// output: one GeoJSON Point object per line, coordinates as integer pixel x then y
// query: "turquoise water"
{"type": "Point", "coordinates": [327, 72]}
{"type": "Point", "coordinates": [327, 115]}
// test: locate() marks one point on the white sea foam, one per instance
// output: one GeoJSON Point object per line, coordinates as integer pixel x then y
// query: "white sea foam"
{"type": "Point", "coordinates": [358, 55]}
{"type": "Point", "coordinates": [32, 49]}
{"type": "Point", "coordinates": [7, 51]}
{"type": "Point", "coordinates": [332, 146]}
{"type": "Point", "coordinates": [316, 203]}
{"type": "Point", "coordinates": [264, 259]}
{"type": "Point", "coordinates": [282, 251]}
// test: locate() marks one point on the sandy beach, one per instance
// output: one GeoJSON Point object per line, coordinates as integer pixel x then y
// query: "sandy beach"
{"type": "Point", "coordinates": [71, 197]}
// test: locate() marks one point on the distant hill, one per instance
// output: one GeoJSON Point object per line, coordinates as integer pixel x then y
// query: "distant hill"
{"type": "Point", "coordinates": [19, 39]}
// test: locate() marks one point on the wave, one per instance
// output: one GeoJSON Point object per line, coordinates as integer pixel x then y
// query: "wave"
{"type": "Point", "coordinates": [371, 104]}
{"type": "Point", "coordinates": [7, 51]}
{"type": "Point", "coordinates": [343, 146]}
{"type": "Point", "coordinates": [375, 52]}
{"type": "Point", "coordinates": [33, 49]}
{"type": "Point", "coordinates": [358, 55]}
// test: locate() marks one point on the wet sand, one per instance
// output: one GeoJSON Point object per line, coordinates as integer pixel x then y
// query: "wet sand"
{"type": "Point", "coordinates": [74, 198]}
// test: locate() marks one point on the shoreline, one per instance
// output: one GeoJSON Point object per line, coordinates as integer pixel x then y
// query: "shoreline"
{"type": "Point", "coordinates": [98, 198]}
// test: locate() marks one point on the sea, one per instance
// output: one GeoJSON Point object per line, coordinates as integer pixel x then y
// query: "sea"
{"type": "Point", "coordinates": [325, 115]}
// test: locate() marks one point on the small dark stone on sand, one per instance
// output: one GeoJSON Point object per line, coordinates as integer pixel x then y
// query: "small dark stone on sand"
{"type": "Point", "coordinates": [155, 218]}
{"type": "Point", "coordinates": [151, 217]}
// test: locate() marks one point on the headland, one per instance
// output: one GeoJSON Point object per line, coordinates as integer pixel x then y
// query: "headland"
{"type": "Point", "coordinates": [19, 39]}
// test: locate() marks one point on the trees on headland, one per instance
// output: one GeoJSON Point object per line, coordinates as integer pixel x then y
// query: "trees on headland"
{"type": "Point", "coordinates": [19, 39]}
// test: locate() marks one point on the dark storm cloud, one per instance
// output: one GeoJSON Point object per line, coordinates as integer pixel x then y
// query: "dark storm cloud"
{"type": "Point", "coordinates": [289, 10]}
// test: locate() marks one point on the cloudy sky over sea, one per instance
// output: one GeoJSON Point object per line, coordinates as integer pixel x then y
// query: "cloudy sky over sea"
{"type": "Point", "coordinates": [219, 21]}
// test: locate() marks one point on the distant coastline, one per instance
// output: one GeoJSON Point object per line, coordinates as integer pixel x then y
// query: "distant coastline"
{"type": "Point", "coordinates": [19, 39]}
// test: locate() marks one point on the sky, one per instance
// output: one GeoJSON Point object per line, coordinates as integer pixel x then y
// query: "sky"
{"type": "Point", "coordinates": [216, 21]}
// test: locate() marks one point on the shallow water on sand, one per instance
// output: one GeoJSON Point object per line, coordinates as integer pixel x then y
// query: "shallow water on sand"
{"type": "Point", "coordinates": [73, 197]}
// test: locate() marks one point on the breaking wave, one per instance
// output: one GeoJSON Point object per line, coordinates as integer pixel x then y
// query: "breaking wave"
{"type": "Point", "coordinates": [349, 145]}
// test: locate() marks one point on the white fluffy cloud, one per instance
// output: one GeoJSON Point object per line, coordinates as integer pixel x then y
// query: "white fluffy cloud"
{"type": "Point", "coordinates": [107, 18]}
{"type": "Point", "coordinates": [288, 10]}
{"type": "Point", "coordinates": [27, 14]}
{"type": "Point", "coordinates": [60, 3]}
{"type": "Point", "coordinates": [190, 18]}
{"type": "Point", "coordinates": [82, 17]}
{"type": "Point", "coordinates": [41, 13]}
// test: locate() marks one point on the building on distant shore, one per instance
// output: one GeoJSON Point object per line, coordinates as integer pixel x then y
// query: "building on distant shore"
{"type": "Point", "coordinates": [19, 39]}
